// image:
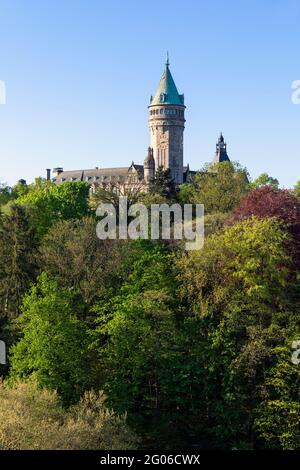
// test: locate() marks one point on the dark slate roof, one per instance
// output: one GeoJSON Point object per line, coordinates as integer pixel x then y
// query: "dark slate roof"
{"type": "Point", "coordinates": [108, 174]}
{"type": "Point", "coordinates": [96, 174]}
{"type": "Point", "coordinates": [221, 156]}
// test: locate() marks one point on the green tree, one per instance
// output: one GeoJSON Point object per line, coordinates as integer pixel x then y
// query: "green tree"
{"type": "Point", "coordinates": [237, 296]}
{"type": "Point", "coordinates": [264, 180]}
{"type": "Point", "coordinates": [297, 188]}
{"type": "Point", "coordinates": [162, 184]}
{"type": "Point", "coordinates": [136, 337]}
{"type": "Point", "coordinates": [220, 188]}
{"type": "Point", "coordinates": [54, 342]}
{"type": "Point", "coordinates": [187, 193]}
{"type": "Point", "coordinates": [5, 194]}
{"type": "Point", "coordinates": [18, 266]}
{"type": "Point", "coordinates": [94, 268]}
{"type": "Point", "coordinates": [47, 203]}
{"type": "Point", "coordinates": [277, 416]}
{"type": "Point", "coordinates": [111, 193]}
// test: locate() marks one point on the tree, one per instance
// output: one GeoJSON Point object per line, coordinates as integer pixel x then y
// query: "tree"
{"type": "Point", "coordinates": [277, 416]}
{"type": "Point", "coordinates": [54, 342]}
{"type": "Point", "coordinates": [220, 188]}
{"type": "Point", "coordinates": [236, 297]}
{"type": "Point", "coordinates": [111, 193]}
{"type": "Point", "coordinates": [297, 188]}
{"type": "Point", "coordinates": [32, 418]}
{"type": "Point", "coordinates": [162, 184]}
{"type": "Point", "coordinates": [187, 193]}
{"type": "Point", "coordinates": [5, 194]}
{"type": "Point", "coordinates": [18, 266]}
{"type": "Point", "coordinates": [248, 257]}
{"type": "Point", "coordinates": [47, 202]}
{"type": "Point", "coordinates": [136, 338]}
{"type": "Point", "coordinates": [278, 203]}
{"type": "Point", "coordinates": [264, 180]}
{"type": "Point", "coordinates": [93, 268]}
{"type": "Point", "coordinates": [214, 222]}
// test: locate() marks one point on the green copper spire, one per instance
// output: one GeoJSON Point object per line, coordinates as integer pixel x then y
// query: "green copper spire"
{"type": "Point", "coordinates": [167, 92]}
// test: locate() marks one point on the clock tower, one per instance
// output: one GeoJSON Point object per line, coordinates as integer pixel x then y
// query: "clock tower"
{"type": "Point", "coordinates": [166, 123]}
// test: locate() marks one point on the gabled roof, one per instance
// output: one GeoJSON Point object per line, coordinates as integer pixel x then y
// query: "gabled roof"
{"type": "Point", "coordinates": [99, 174]}
{"type": "Point", "coordinates": [167, 92]}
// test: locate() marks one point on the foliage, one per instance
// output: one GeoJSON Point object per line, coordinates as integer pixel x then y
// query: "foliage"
{"type": "Point", "coordinates": [248, 257]}
{"type": "Point", "coordinates": [278, 415]}
{"type": "Point", "coordinates": [54, 342]}
{"type": "Point", "coordinates": [18, 267]}
{"type": "Point", "coordinates": [93, 268]}
{"type": "Point", "coordinates": [162, 184]}
{"type": "Point", "coordinates": [47, 202]}
{"type": "Point", "coordinates": [279, 203]}
{"type": "Point", "coordinates": [138, 328]}
{"type": "Point", "coordinates": [264, 180]}
{"type": "Point", "coordinates": [297, 188]}
{"type": "Point", "coordinates": [33, 419]}
{"type": "Point", "coordinates": [195, 347]}
{"type": "Point", "coordinates": [221, 188]}
{"type": "Point", "coordinates": [152, 198]}
{"type": "Point", "coordinates": [236, 290]}
{"type": "Point", "coordinates": [187, 193]}
{"type": "Point", "coordinates": [214, 222]}
{"type": "Point", "coordinates": [17, 259]}
{"type": "Point", "coordinates": [110, 194]}
{"type": "Point", "coordinates": [5, 194]}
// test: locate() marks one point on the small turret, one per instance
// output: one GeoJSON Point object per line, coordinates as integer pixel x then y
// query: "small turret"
{"type": "Point", "coordinates": [221, 151]}
{"type": "Point", "coordinates": [149, 165]}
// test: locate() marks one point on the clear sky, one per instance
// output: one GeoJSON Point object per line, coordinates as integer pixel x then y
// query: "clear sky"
{"type": "Point", "coordinates": [79, 74]}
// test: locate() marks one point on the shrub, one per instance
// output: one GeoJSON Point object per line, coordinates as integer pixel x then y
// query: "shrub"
{"type": "Point", "coordinates": [33, 419]}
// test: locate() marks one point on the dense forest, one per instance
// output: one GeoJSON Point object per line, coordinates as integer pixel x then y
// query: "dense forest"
{"type": "Point", "coordinates": [135, 344]}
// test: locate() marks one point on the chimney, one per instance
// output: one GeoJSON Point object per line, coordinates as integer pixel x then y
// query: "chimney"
{"type": "Point", "coordinates": [48, 171]}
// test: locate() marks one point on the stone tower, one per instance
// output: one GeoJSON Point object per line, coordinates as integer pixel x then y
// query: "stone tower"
{"type": "Point", "coordinates": [149, 166]}
{"type": "Point", "coordinates": [166, 122]}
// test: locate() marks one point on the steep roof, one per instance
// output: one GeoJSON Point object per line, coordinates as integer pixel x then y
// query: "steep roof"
{"type": "Point", "coordinates": [98, 174]}
{"type": "Point", "coordinates": [221, 151]}
{"type": "Point", "coordinates": [167, 92]}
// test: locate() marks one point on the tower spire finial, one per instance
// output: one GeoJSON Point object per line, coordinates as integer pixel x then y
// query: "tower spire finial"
{"type": "Point", "coordinates": [167, 59]}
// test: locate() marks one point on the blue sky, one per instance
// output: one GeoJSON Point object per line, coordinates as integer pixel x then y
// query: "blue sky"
{"type": "Point", "coordinates": [79, 75]}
